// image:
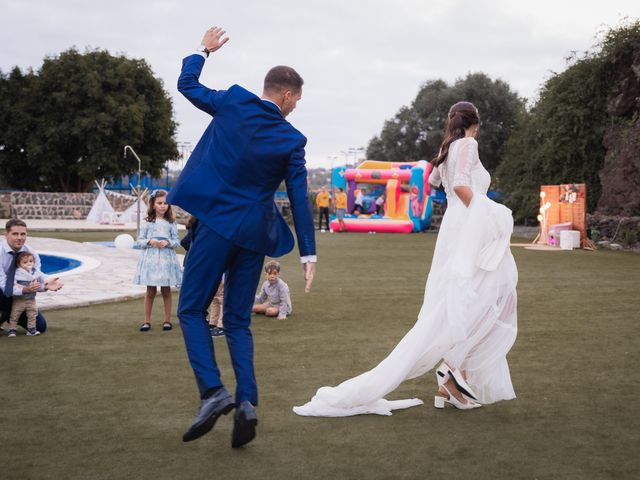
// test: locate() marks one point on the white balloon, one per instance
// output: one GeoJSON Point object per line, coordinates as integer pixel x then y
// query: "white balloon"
{"type": "Point", "coordinates": [124, 240]}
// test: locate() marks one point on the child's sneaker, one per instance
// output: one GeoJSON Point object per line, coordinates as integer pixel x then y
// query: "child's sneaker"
{"type": "Point", "coordinates": [217, 332]}
{"type": "Point", "coordinates": [12, 333]}
{"type": "Point", "coordinates": [32, 332]}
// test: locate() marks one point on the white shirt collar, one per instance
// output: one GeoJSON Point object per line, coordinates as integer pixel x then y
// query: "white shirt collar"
{"type": "Point", "coordinates": [271, 101]}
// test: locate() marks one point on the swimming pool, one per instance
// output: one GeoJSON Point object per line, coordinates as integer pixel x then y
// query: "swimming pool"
{"type": "Point", "coordinates": [110, 244]}
{"type": "Point", "coordinates": [56, 264]}
{"type": "Point", "coordinates": [62, 263]}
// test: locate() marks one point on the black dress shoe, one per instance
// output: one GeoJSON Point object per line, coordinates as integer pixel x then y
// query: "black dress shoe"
{"type": "Point", "coordinates": [244, 424]}
{"type": "Point", "coordinates": [220, 403]}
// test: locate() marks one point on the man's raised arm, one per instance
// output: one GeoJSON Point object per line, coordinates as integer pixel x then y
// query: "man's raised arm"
{"type": "Point", "coordinates": [189, 85]}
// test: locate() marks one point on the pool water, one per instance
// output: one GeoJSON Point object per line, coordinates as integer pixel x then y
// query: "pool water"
{"type": "Point", "coordinates": [56, 264]}
{"type": "Point", "coordinates": [111, 244]}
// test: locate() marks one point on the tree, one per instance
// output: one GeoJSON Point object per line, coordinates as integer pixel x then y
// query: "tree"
{"type": "Point", "coordinates": [67, 124]}
{"type": "Point", "coordinates": [562, 139]}
{"type": "Point", "coordinates": [15, 91]}
{"type": "Point", "coordinates": [416, 131]}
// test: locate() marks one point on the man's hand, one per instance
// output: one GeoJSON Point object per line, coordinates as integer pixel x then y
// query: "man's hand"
{"type": "Point", "coordinates": [53, 284]}
{"type": "Point", "coordinates": [309, 274]}
{"type": "Point", "coordinates": [213, 40]}
{"type": "Point", "coordinates": [33, 287]}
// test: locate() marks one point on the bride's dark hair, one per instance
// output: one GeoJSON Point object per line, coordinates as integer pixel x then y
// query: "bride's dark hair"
{"type": "Point", "coordinates": [462, 115]}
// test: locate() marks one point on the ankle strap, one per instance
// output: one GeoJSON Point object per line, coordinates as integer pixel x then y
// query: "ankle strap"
{"type": "Point", "coordinates": [443, 374]}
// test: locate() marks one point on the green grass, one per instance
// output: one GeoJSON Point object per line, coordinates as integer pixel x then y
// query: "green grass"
{"type": "Point", "coordinates": [95, 399]}
{"type": "Point", "coordinates": [93, 236]}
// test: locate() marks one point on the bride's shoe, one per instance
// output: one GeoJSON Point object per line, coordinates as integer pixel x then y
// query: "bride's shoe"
{"type": "Point", "coordinates": [443, 373]}
{"type": "Point", "coordinates": [439, 402]}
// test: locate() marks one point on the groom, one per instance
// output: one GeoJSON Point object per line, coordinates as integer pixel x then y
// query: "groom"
{"type": "Point", "coordinates": [228, 184]}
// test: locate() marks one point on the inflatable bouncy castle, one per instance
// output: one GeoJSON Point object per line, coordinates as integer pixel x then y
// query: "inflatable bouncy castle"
{"type": "Point", "coordinates": [394, 196]}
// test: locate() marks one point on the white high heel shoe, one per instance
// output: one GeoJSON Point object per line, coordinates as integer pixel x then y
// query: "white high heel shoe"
{"type": "Point", "coordinates": [439, 402]}
{"type": "Point", "coordinates": [443, 373]}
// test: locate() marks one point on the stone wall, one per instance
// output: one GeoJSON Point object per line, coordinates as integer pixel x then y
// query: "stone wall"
{"type": "Point", "coordinates": [5, 204]}
{"type": "Point", "coordinates": [49, 205]}
{"type": "Point", "coordinates": [620, 175]}
{"type": "Point", "coordinates": [119, 201]}
{"type": "Point", "coordinates": [56, 205]}
{"type": "Point", "coordinates": [68, 206]}
{"type": "Point", "coordinates": [614, 229]}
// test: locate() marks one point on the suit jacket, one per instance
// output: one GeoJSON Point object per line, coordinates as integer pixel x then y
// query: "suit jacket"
{"type": "Point", "coordinates": [233, 173]}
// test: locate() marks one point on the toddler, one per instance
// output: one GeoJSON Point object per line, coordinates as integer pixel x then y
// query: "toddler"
{"type": "Point", "coordinates": [26, 273]}
{"type": "Point", "coordinates": [273, 299]}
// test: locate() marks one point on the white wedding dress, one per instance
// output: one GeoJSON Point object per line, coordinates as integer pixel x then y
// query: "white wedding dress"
{"type": "Point", "coordinates": [468, 317]}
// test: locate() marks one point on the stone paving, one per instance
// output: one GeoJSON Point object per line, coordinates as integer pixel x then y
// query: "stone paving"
{"type": "Point", "coordinates": [105, 276]}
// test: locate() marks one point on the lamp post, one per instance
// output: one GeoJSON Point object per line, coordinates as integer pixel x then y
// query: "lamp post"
{"type": "Point", "coordinates": [542, 218]}
{"type": "Point", "coordinates": [355, 151]}
{"type": "Point", "coordinates": [331, 158]}
{"type": "Point", "coordinates": [138, 186]}
{"type": "Point", "coordinates": [351, 151]}
{"type": "Point", "coordinates": [346, 158]}
{"type": "Point", "coordinates": [185, 151]}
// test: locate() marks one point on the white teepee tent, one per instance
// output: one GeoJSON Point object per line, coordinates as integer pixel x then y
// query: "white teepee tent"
{"type": "Point", "coordinates": [101, 211]}
{"type": "Point", "coordinates": [131, 213]}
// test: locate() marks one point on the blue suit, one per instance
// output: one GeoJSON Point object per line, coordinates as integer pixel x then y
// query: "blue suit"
{"type": "Point", "coordinates": [229, 183]}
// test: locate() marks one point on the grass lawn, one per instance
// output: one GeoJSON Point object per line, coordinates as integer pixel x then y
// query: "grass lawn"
{"type": "Point", "coordinates": [95, 399]}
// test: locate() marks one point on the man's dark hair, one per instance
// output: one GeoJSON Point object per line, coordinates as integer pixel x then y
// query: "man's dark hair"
{"type": "Point", "coordinates": [15, 222]}
{"type": "Point", "coordinates": [282, 78]}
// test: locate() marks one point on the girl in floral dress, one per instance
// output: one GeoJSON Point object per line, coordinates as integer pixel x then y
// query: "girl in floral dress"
{"type": "Point", "coordinates": [158, 265]}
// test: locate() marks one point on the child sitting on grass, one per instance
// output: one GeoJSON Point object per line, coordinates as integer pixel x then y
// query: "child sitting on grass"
{"type": "Point", "coordinates": [273, 299]}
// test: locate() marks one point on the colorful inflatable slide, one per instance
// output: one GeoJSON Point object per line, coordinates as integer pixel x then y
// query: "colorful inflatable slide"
{"type": "Point", "coordinates": [404, 187]}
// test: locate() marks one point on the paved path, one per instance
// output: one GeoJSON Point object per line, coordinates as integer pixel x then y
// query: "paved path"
{"type": "Point", "coordinates": [105, 276]}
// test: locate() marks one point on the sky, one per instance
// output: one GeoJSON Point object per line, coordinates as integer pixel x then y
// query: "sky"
{"type": "Point", "coordinates": [361, 60]}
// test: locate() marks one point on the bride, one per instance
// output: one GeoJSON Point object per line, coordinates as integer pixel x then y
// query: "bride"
{"type": "Point", "coordinates": [468, 318]}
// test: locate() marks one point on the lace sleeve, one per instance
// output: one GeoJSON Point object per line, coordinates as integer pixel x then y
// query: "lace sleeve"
{"type": "Point", "coordinates": [467, 158]}
{"type": "Point", "coordinates": [434, 177]}
{"type": "Point", "coordinates": [174, 238]}
{"type": "Point", "coordinates": [143, 238]}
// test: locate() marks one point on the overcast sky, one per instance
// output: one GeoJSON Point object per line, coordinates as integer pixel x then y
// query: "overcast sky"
{"type": "Point", "coordinates": [361, 60]}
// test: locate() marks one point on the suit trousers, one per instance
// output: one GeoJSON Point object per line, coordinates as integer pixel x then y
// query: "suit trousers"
{"type": "Point", "coordinates": [208, 258]}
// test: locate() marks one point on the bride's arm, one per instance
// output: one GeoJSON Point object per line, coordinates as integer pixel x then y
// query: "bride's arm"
{"type": "Point", "coordinates": [434, 178]}
{"type": "Point", "coordinates": [464, 193]}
